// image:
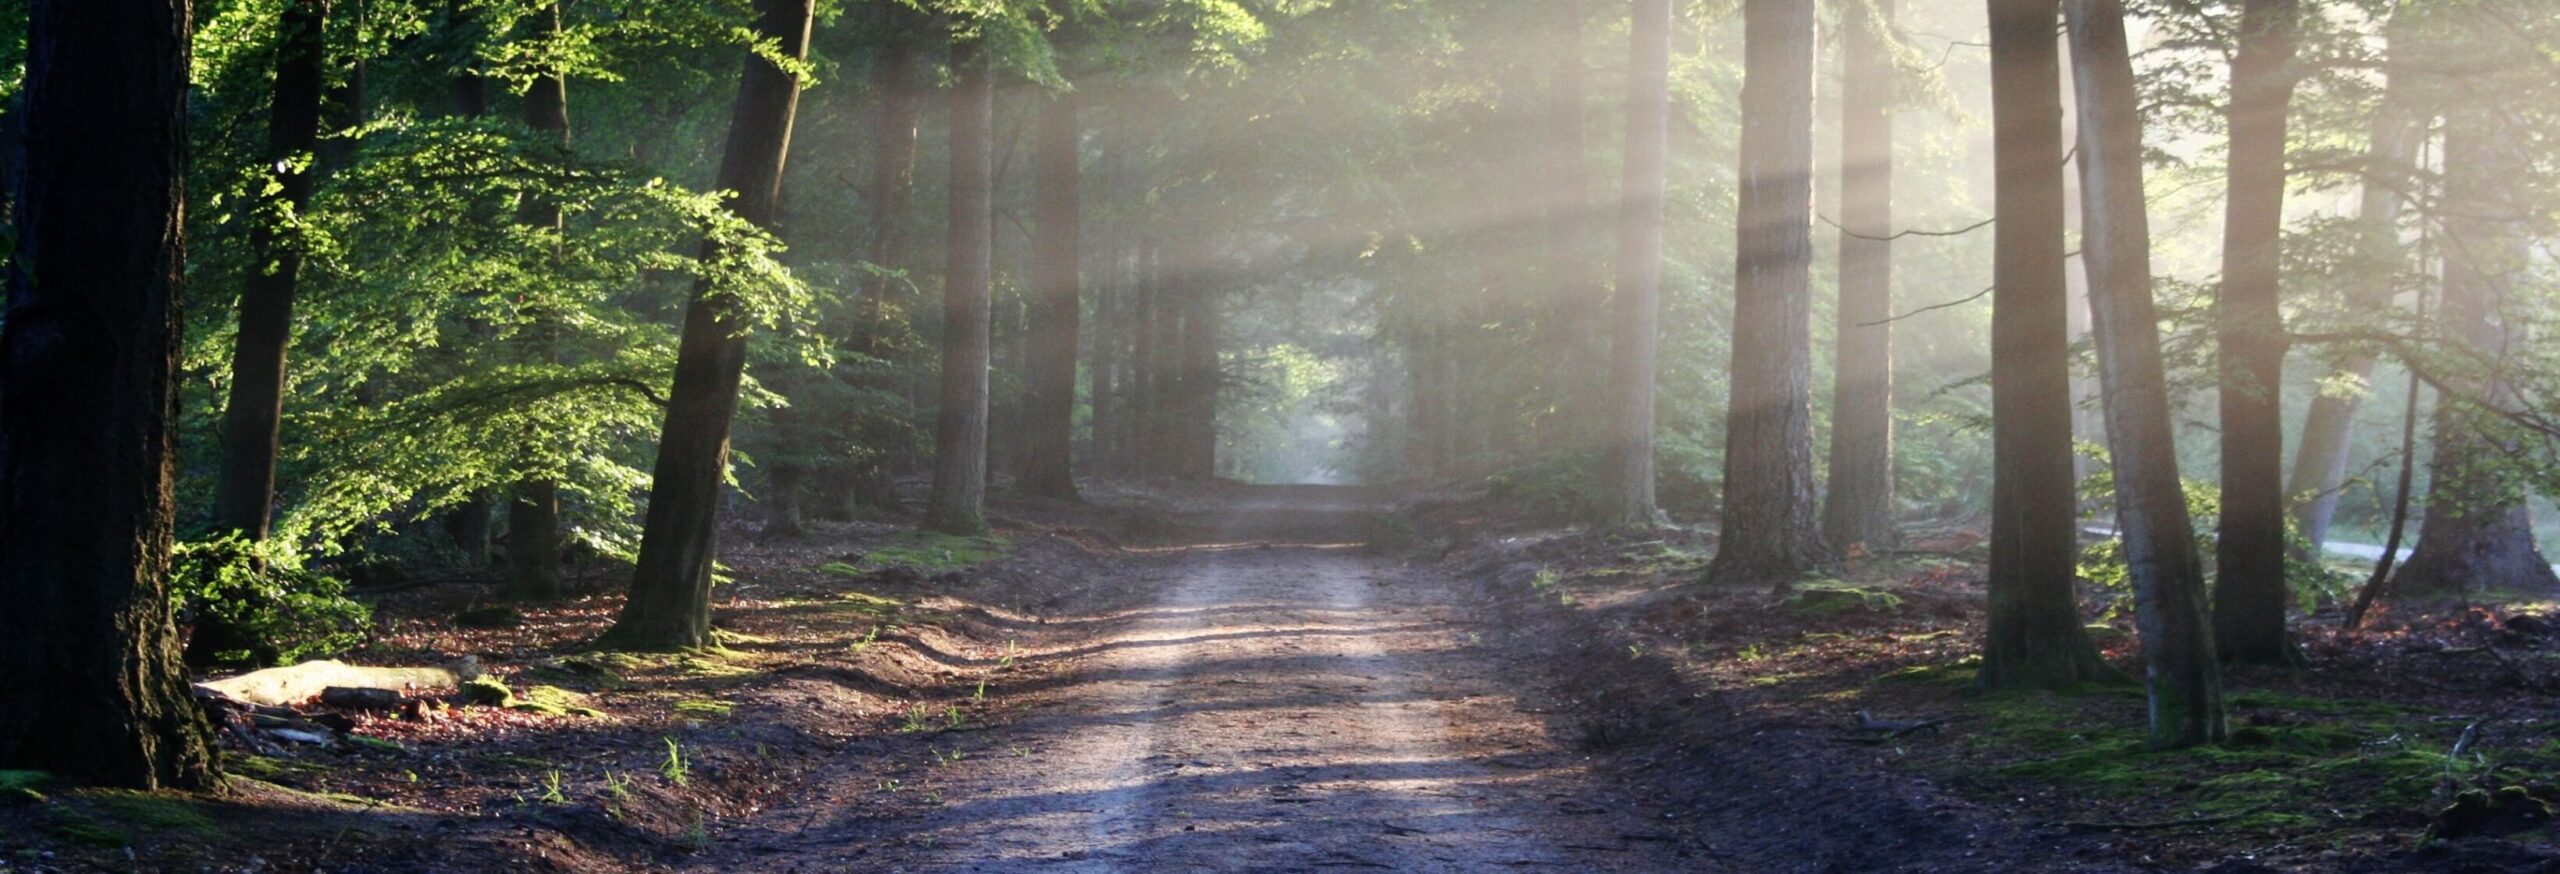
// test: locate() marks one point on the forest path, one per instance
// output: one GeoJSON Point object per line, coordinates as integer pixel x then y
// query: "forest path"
{"type": "Point", "coordinates": [1279, 707]}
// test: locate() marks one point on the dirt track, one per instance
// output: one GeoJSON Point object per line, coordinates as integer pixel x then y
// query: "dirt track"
{"type": "Point", "coordinates": [1280, 707]}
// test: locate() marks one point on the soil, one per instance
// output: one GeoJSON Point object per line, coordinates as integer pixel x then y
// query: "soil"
{"type": "Point", "coordinates": [1289, 679]}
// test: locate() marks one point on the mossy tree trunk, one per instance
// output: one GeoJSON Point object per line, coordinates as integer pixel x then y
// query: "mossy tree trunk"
{"type": "Point", "coordinates": [90, 682]}
{"type": "Point", "coordinates": [2184, 678]}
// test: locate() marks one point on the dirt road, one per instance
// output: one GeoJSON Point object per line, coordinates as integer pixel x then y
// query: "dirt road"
{"type": "Point", "coordinates": [1280, 707]}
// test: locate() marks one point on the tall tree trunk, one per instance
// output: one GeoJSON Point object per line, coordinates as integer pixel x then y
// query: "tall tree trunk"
{"type": "Point", "coordinates": [2034, 636]}
{"type": "Point", "coordinates": [1146, 393]}
{"type": "Point", "coordinates": [1050, 416]}
{"type": "Point", "coordinates": [1627, 475]}
{"type": "Point", "coordinates": [2320, 459]}
{"type": "Point", "coordinates": [889, 193]}
{"type": "Point", "coordinates": [670, 603]}
{"type": "Point", "coordinates": [2151, 511]}
{"type": "Point", "coordinates": [1197, 432]}
{"type": "Point", "coordinates": [1772, 531]}
{"type": "Point", "coordinates": [1857, 510]}
{"type": "Point", "coordinates": [958, 503]}
{"type": "Point", "coordinates": [245, 486]}
{"type": "Point", "coordinates": [2249, 589]}
{"type": "Point", "coordinates": [2477, 534]}
{"type": "Point", "coordinates": [90, 683]}
{"type": "Point", "coordinates": [533, 517]}
{"type": "Point", "coordinates": [1582, 320]}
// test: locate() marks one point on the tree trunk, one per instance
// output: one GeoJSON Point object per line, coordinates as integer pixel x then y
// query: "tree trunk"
{"type": "Point", "coordinates": [2320, 459]}
{"type": "Point", "coordinates": [533, 517]}
{"type": "Point", "coordinates": [1196, 430]}
{"type": "Point", "coordinates": [2034, 636]}
{"type": "Point", "coordinates": [2477, 534]}
{"type": "Point", "coordinates": [1627, 474]}
{"type": "Point", "coordinates": [958, 504]}
{"type": "Point", "coordinates": [245, 486]}
{"type": "Point", "coordinates": [1771, 527]}
{"type": "Point", "coordinates": [1050, 416]}
{"type": "Point", "coordinates": [1582, 329]}
{"type": "Point", "coordinates": [90, 683]}
{"type": "Point", "coordinates": [670, 603]}
{"type": "Point", "coordinates": [2249, 593]}
{"type": "Point", "coordinates": [890, 192]}
{"type": "Point", "coordinates": [1857, 510]}
{"type": "Point", "coordinates": [2151, 512]}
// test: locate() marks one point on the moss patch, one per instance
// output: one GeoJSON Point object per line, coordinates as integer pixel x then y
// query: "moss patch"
{"type": "Point", "coordinates": [703, 707]}
{"type": "Point", "coordinates": [1831, 599]}
{"type": "Point", "coordinates": [23, 784]}
{"type": "Point", "coordinates": [927, 551]}
{"type": "Point", "coordinates": [554, 701]}
{"type": "Point", "coordinates": [163, 811]}
{"type": "Point", "coordinates": [487, 692]}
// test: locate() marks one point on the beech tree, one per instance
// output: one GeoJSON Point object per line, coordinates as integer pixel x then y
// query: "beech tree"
{"type": "Point", "coordinates": [533, 517]}
{"type": "Point", "coordinates": [1857, 509]}
{"type": "Point", "coordinates": [957, 504]}
{"type": "Point", "coordinates": [245, 491]}
{"type": "Point", "coordinates": [2034, 636]}
{"type": "Point", "coordinates": [90, 682]}
{"type": "Point", "coordinates": [1628, 471]}
{"type": "Point", "coordinates": [2249, 594]}
{"type": "Point", "coordinates": [670, 602]}
{"type": "Point", "coordinates": [2179, 668]}
{"type": "Point", "coordinates": [1772, 529]}
{"type": "Point", "coordinates": [1048, 449]}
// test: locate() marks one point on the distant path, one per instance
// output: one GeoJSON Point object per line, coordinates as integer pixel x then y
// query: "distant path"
{"type": "Point", "coordinates": [1280, 708]}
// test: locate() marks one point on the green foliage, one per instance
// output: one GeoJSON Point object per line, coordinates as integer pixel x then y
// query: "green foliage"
{"type": "Point", "coordinates": [2102, 564]}
{"type": "Point", "coordinates": [258, 592]}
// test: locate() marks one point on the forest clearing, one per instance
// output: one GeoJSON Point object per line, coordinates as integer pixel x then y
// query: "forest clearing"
{"type": "Point", "coordinates": [1279, 435]}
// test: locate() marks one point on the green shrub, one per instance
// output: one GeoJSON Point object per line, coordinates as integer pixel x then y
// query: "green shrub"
{"type": "Point", "coordinates": [251, 603]}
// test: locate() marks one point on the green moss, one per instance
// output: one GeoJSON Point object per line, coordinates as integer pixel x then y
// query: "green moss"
{"type": "Point", "coordinates": [1952, 674]}
{"type": "Point", "coordinates": [2304, 704]}
{"type": "Point", "coordinates": [377, 744]}
{"type": "Point", "coordinates": [703, 707]}
{"type": "Point", "coordinates": [1832, 599]}
{"type": "Point", "coordinates": [927, 551]}
{"type": "Point", "coordinates": [23, 784]}
{"type": "Point", "coordinates": [269, 768]}
{"type": "Point", "coordinates": [554, 701]}
{"type": "Point", "coordinates": [89, 833]}
{"type": "Point", "coordinates": [169, 811]}
{"type": "Point", "coordinates": [487, 691]}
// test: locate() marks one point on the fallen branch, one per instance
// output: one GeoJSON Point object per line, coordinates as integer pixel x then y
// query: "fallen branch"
{"type": "Point", "coordinates": [287, 686]}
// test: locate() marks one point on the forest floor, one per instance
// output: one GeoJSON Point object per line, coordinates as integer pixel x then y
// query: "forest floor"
{"type": "Point", "coordinates": [1301, 678]}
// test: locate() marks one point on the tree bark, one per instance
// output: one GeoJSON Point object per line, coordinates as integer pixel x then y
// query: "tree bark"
{"type": "Point", "coordinates": [2320, 459]}
{"type": "Point", "coordinates": [1196, 428]}
{"type": "Point", "coordinates": [91, 687]}
{"type": "Point", "coordinates": [1627, 474]}
{"type": "Point", "coordinates": [670, 603]}
{"type": "Point", "coordinates": [245, 486]}
{"type": "Point", "coordinates": [1857, 511]}
{"type": "Point", "coordinates": [2185, 680]}
{"type": "Point", "coordinates": [1772, 528]}
{"type": "Point", "coordinates": [2477, 534]}
{"type": "Point", "coordinates": [1048, 464]}
{"type": "Point", "coordinates": [2034, 637]}
{"type": "Point", "coordinates": [2249, 594]}
{"type": "Point", "coordinates": [958, 503]}
{"type": "Point", "coordinates": [891, 191]}
{"type": "Point", "coordinates": [533, 517]}
{"type": "Point", "coordinates": [1581, 291]}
